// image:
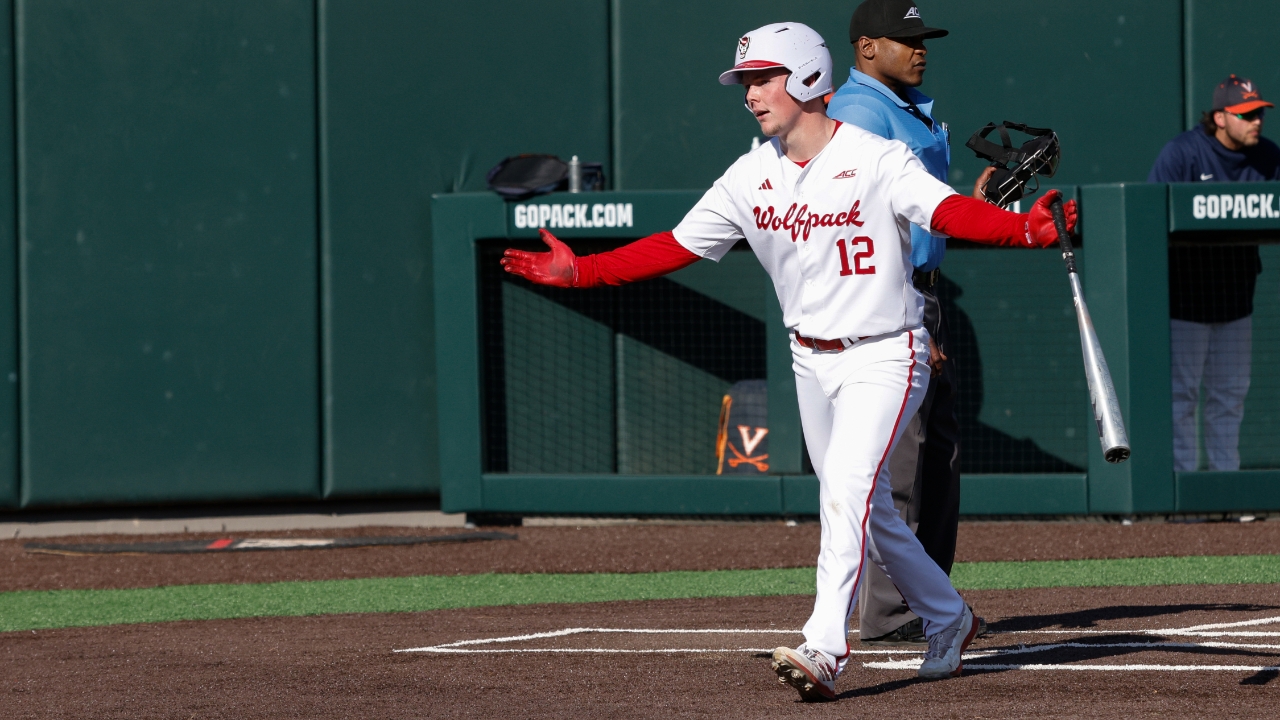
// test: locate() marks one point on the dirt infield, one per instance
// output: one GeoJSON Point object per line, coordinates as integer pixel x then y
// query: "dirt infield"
{"type": "Point", "coordinates": [615, 548]}
{"type": "Point", "coordinates": [345, 667]}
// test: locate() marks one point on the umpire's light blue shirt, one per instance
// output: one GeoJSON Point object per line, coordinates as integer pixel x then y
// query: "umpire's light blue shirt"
{"type": "Point", "coordinates": [867, 103]}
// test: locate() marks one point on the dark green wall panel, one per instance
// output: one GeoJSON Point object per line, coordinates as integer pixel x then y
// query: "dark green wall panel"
{"type": "Point", "coordinates": [424, 98]}
{"type": "Point", "coordinates": [167, 191]}
{"type": "Point", "coordinates": [677, 126]}
{"type": "Point", "coordinates": [1105, 75]}
{"type": "Point", "coordinates": [1079, 72]}
{"type": "Point", "coordinates": [9, 486]}
{"type": "Point", "coordinates": [1230, 36]}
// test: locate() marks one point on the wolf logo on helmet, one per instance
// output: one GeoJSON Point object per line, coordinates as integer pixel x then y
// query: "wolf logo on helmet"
{"type": "Point", "coordinates": [793, 46]}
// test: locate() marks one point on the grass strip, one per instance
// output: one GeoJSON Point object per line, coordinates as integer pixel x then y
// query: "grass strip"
{"type": "Point", "coordinates": [31, 610]}
{"type": "Point", "coordinates": [1131, 572]}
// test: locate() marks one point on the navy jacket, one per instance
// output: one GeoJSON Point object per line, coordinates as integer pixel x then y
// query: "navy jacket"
{"type": "Point", "coordinates": [1210, 284]}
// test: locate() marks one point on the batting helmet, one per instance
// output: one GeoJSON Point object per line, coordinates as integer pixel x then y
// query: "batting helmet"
{"type": "Point", "coordinates": [793, 46]}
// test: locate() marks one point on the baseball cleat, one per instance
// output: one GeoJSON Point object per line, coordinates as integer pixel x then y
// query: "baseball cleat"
{"type": "Point", "coordinates": [810, 672]}
{"type": "Point", "coordinates": [942, 659]}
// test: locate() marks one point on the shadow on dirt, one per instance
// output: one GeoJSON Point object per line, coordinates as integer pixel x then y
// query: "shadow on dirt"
{"type": "Point", "coordinates": [1078, 650]}
{"type": "Point", "coordinates": [882, 688]}
{"type": "Point", "coordinates": [1090, 617]}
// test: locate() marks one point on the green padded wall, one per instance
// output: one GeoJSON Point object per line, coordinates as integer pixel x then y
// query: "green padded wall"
{"type": "Point", "coordinates": [676, 126]}
{"type": "Point", "coordinates": [423, 98]}
{"type": "Point", "coordinates": [1080, 72]}
{"type": "Point", "coordinates": [168, 205]}
{"type": "Point", "coordinates": [1005, 59]}
{"type": "Point", "coordinates": [1230, 36]}
{"type": "Point", "coordinates": [9, 427]}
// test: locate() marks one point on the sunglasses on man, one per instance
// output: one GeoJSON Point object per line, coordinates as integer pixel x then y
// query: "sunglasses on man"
{"type": "Point", "coordinates": [1250, 116]}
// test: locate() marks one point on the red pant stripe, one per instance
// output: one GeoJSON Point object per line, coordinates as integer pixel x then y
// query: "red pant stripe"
{"type": "Point", "coordinates": [867, 513]}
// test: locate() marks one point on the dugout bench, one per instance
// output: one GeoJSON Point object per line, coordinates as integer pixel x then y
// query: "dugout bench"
{"type": "Point", "coordinates": [555, 403]}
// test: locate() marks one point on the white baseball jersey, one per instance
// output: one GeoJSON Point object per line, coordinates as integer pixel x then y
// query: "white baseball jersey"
{"type": "Point", "coordinates": [834, 235]}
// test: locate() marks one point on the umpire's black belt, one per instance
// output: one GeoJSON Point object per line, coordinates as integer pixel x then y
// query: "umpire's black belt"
{"type": "Point", "coordinates": [925, 280]}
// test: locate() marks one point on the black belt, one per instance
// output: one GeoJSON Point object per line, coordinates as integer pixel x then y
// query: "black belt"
{"type": "Point", "coordinates": [925, 280]}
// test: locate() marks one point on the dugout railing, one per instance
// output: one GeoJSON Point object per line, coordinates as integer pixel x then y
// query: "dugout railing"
{"type": "Point", "coordinates": [604, 401]}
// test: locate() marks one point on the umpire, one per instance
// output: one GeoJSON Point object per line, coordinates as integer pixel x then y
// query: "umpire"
{"type": "Point", "coordinates": [881, 97]}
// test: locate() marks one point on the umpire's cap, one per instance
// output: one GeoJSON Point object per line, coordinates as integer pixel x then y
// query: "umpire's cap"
{"type": "Point", "coordinates": [891, 19]}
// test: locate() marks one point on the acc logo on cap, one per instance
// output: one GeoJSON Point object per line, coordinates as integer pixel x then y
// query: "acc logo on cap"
{"type": "Point", "coordinates": [912, 13]}
{"type": "Point", "coordinates": [742, 46]}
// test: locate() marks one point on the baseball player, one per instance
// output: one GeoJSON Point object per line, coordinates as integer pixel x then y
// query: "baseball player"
{"type": "Point", "coordinates": [827, 208]}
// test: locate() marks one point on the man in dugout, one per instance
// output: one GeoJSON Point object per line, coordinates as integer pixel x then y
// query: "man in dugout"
{"type": "Point", "coordinates": [1211, 285]}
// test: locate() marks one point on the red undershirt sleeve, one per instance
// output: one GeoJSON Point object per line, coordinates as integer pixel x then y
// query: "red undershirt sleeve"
{"type": "Point", "coordinates": [644, 259]}
{"type": "Point", "coordinates": [964, 218]}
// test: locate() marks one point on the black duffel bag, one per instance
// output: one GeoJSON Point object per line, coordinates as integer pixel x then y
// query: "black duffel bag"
{"type": "Point", "coordinates": [522, 176]}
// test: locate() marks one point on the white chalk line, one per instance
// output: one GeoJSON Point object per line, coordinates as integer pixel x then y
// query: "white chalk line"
{"type": "Point", "coordinates": [1194, 630]}
{"type": "Point", "coordinates": [1207, 633]}
{"type": "Point", "coordinates": [578, 631]}
{"type": "Point", "coordinates": [1212, 630]}
{"type": "Point", "coordinates": [915, 664]}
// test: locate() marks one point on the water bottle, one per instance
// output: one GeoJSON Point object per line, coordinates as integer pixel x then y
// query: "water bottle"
{"type": "Point", "coordinates": [575, 175]}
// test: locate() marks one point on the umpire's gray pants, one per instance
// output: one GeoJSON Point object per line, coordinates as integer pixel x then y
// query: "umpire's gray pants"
{"type": "Point", "coordinates": [925, 479]}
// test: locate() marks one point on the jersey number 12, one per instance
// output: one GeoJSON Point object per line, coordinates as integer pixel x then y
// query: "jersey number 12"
{"type": "Point", "coordinates": [858, 268]}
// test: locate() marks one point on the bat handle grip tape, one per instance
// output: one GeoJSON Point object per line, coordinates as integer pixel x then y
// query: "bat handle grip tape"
{"type": "Point", "coordinates": [1064, 237]}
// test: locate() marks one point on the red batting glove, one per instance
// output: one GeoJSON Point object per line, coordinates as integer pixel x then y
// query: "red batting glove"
{"type": "Point", "coordinates": [1040, 229]}
{"type": "Point", "coordinates": [557, 267]}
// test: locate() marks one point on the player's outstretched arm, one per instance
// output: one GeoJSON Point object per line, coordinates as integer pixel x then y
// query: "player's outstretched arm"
{"type": "Point", "coordinates": [644, 259]}
{"type": "Point", "coordinates": [976, 221]}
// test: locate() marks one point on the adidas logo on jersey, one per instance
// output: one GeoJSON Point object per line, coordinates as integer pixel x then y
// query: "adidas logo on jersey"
{"type": "Point", "coordinates": [846, 174]}
{"type": "Point", "coordinates": [766, 185]}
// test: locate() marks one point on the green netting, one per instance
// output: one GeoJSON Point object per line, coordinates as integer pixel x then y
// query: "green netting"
{"type": "Point", "coordinates": [559, 389]}
{"type": "Point", "coordinates": [1024, 404]}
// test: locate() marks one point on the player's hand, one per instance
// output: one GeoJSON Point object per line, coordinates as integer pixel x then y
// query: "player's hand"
{"type": "Point", "coordinates": [1040, 229]}
{"type": "Point", "coordinates": [936, 358]}
{"type": "Point", "coordinates": [981, 182]}
{"type": "Point", "coordinates": [545, 268]}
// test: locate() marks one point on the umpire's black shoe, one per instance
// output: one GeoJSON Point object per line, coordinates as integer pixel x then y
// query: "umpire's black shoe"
{"type": "Point", "coordinates": [911, 633]}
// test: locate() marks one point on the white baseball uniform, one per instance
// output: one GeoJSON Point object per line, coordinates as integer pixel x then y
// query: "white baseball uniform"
{"type": "Point", "coordinates": [834, 237]}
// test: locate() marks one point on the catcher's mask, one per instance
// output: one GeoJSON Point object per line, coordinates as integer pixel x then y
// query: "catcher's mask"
{"type": "Point", "coordinates": [1017, 169]}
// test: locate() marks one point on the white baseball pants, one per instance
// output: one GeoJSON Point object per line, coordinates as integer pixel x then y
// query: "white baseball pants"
{"type": "Point", "coordinates": [854, 405]}
{"type": "Point", "coordinates": [1220, 355]}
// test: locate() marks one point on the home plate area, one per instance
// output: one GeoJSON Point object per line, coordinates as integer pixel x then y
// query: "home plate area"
{"type": "Point", "coordinates": [1249, 646]}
